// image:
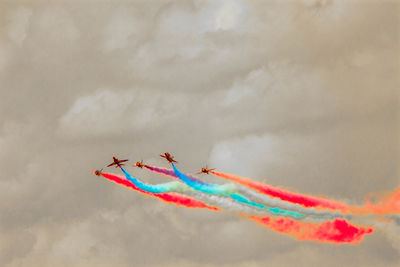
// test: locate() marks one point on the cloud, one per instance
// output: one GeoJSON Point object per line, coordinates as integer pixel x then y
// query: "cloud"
{"type": "Point", "coordinates": [207, 16]}
{"type": "Point", "coordinates": [122, 30]}
{"type": "Point", "coordinates": [253, 83]}
{"type": "Point", "coordinates": [18, 24]}
{"type": "Point", "coordinates": [111, 112]}
{"type": "Point", "coordinates": [57, 24]}
{"type": "Point", "coordinates": [76, 244]}
{"type": "Point", "coordinates": [99, 113]}
{"type": "Point", "coordinates": [303, 94]}
{"type": "Point", "coordinates": [242, 155]}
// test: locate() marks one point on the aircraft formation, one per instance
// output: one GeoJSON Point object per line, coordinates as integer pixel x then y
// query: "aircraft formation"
{"type": "Point", "coordinates": [301, 216]}
{"type": "Point", "coordinates": [118, 163]}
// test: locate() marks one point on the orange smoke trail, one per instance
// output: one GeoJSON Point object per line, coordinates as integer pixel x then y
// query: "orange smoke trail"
{"type": "Point", "coordinates": [175, 198]}
{"type": "Point", "coordinates": [389, 204]}
{"type": "Point", "coordinates": [301, 199]}
{"type": "Point", "coordinates": [338, 231]}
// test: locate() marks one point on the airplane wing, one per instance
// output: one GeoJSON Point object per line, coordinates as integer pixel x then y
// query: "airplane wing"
{"type": "Point", "coordinates": [110, 164]}
{"type": "Point", "coordinates": [123, 160]}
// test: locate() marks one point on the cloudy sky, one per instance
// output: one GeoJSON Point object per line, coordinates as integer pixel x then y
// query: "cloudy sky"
{"type": "Point", "coordinates": [303, 94]}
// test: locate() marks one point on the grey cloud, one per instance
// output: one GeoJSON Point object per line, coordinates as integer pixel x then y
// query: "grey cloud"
{"type": "Point", "coordinates": [303, 94]}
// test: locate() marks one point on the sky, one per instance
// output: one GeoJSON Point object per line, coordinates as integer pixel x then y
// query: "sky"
{"type": "Point", "coordinates": [302, 94]}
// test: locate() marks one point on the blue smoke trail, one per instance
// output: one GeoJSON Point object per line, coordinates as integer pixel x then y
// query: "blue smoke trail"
{"type": "Point", "coordinates": [230, 191]}
{"type": "Point", "coordinates": [174, 186]}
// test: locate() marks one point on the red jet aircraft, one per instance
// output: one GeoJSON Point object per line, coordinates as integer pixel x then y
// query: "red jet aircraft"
{"type": "Point", "coordinates": [98, 172]}
{"type": "Point", "coordinates": [205, 170]}
{"type": "Point", "coordinates": [168, 157]}
{"type": "Point", "coordinates": [117, 162]}
{"type": "Point", "coordinates": [139, 164]}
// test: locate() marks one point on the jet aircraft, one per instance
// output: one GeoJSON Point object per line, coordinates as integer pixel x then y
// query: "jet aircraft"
{"type": "Point", "coordinates": [139, 164]}
{"type": "Point", "coordinates": [205, 170]}
{"type": "Point", "coordinates": [98, 172]}
{"type": "Point", "coordinates": [117, 162]}
{"type": "Point", "coordinates": [168, 157]}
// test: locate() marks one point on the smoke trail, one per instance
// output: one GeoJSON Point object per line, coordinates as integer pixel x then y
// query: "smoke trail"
{"type": "Point", "coordinates": [222, 201]}
{"type": "Point", "coordinates": [336, 232]}
{"type": "Point", "coordinates": [275, 202]}
{"type": "Point", "coordinates": [170, 173]}
{"type": "Point", "coordinates": [183, 188]}
{"type": "Point", "coordinates": [302, 199]}
{"type": "Point", "coordinates": [175, 198]}
{"type": "Point", "coordinates": [226, 203]}
{"type": "Point", "coordinates": [265, 199]}
{"type": "Point", "coordinates": [174, 186]}
{"type": "Point", "coordinates": [388, 205]}
{"type": "Point", "coordinates": [232, 192]}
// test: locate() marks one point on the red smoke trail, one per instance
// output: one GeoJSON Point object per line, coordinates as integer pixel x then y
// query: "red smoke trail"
{"type": "Point", "coordinates": [304, 200]}
{"type": "Point", "coordinates": [336, 232]}
{"type": "Point", "coordinates": [177, 199]}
